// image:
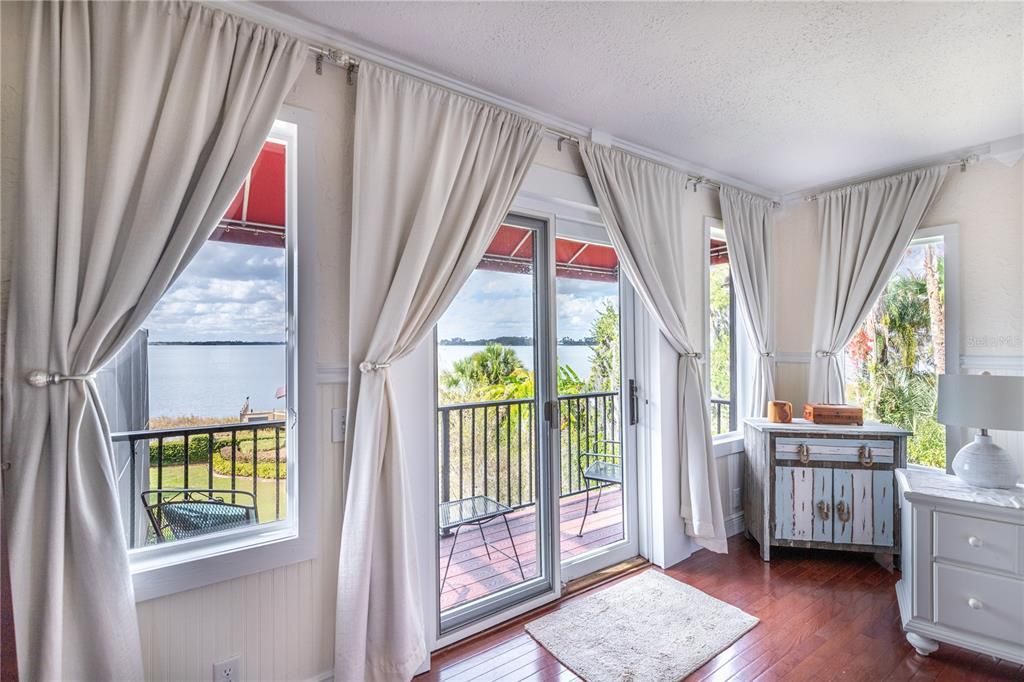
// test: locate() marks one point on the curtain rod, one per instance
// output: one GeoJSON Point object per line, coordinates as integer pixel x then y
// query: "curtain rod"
{"type": "Point", "coordinates": [351, 64]}
{"type": "Point", "coordinates": [962, 164]}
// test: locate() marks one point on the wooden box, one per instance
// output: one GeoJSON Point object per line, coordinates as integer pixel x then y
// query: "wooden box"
{"type": "Point", "coordinates": [837, 415]}
{"type": "Point", "coordinates": [826, 487]}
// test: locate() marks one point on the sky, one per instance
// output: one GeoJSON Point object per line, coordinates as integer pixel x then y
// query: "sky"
{"type": "Point", "coordinates": [229, 292]}
{"type": "Point", "coordinates": [493, 304]}
{"type": "Point", "coordinates": [233, 292]}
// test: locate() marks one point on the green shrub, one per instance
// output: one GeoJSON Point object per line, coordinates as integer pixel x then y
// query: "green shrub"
{"type": "Point", "coordinates": [243, 469]}
{"type": "Point", "coordinates": [199, 446]}
{"type": "Point", "coordinates": [927, 446]}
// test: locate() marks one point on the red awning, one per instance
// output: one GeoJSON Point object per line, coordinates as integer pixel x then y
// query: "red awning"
{"type": "Point", "coordinates": [257, 214]}
{"type": "Point", "coordinates": [511, 250]}
{"type": "Point", "coordinates": [719, 252]}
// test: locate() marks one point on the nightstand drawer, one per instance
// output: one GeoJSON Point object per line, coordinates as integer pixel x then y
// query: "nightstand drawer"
{"type": "Point", "coordinates": [988, 544]}
{"type": "Point", "coordinates": [980, 603]}
{"type": "Point", "coordinates": [867, 452]}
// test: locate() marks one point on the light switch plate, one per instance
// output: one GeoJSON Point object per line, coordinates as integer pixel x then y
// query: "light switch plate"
{"type": "Point", "coordinates": [337, 425]}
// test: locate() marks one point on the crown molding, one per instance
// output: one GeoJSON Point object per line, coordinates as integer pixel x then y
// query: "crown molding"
{"type": "Point", "coordinates": [1006, 150]}
{"type": "Point", "coordinates": [324, 37]}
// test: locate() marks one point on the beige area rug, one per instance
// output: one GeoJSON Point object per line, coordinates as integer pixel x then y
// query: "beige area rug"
{"type": "Point", "coordinates": [649, 628]}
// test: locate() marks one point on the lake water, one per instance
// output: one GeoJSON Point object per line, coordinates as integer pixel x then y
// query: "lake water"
{"type": "Point", "coordinates": [213, 381]}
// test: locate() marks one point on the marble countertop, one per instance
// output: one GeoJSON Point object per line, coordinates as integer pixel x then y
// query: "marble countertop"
{"type": "Point", "coordinates": [804, 426]}
{"type": "Point", "coordinates": [943, 485]}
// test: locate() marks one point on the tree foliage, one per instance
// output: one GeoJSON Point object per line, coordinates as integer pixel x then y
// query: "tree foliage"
{"type": "Point", "coordinates": [893, 358]}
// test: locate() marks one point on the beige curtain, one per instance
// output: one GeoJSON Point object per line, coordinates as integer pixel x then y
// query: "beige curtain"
{"type": "Point", "coordinates": [747, 219]}
{"type": "Point", "coordinates": [865, 230]}
{"type": "Point", "coordinates": [434, 176]}
{"type": "Point", "coordinates": [141, 120]}
{"type": "Point", "coordinates": [642, 206]}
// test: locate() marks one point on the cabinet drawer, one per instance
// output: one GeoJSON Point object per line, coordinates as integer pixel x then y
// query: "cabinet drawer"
{"type": "Point", "coordinates": [833, 450]}
{"type": "Point", "coordinates": [989, 544]}
{"type": "Point", "coordinates": [980, 603]}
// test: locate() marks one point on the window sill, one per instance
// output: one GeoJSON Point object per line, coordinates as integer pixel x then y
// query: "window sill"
{"type": "Point", "coordinates": [726, 444]}
{"type": "Point", "coordinates": [161, 570]}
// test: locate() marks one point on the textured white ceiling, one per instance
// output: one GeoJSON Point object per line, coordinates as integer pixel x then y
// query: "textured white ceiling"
{"type": "Point", "coordinates": [785, 96]}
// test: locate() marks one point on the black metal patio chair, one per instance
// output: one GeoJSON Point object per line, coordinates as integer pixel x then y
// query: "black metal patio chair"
{"type": "Point", "coordinates": [187, 513]}
{"type": "Point", "coordinates": [600, 468]}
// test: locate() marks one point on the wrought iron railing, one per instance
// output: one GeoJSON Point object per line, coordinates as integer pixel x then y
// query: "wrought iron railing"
{"type": "Point", "coordinates": [207, 457]}
{"type": "Point", "coordinates": [720, 406]}
{"type": "Point", "coordinates": [487, 448]}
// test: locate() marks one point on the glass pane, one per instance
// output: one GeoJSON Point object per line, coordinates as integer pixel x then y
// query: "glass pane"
{"type": "Point", "coordinates": [588, 329]}
{"type": "Point", "coordinates": [197, 399]}
{"type": "Point", "coordinates": [721, 317]}
{"type": "Point", "coordinates": [894, 359]}
{"type": "Point", "coordinates": [487, 426]}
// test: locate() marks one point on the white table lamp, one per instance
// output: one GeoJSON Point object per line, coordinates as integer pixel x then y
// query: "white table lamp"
{"type": "Point", "coordinates": [986, 402]}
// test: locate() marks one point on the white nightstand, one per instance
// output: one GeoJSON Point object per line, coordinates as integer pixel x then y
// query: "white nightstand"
{"type": "Point", "coordinates": [963, 565]}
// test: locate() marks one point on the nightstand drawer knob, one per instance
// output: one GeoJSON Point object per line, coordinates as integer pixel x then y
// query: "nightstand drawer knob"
{"type": "Point", "coordinates": [974, 542]}
{"type": "Point", "coordinates": [975, 604]}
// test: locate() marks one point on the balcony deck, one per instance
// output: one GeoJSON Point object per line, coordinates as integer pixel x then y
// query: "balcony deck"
{"type": "Point", "coordinates": [471, 575]}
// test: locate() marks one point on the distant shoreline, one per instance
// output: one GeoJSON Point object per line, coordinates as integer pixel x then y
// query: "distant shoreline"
{"type": "Point", "coordinates": [216, 343]}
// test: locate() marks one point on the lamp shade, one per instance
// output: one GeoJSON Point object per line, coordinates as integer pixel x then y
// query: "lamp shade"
{"type": "Point", "coordinates": [982, 401]}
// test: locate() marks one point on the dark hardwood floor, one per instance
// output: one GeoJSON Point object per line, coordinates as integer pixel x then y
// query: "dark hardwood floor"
{"type": "Point", "coordinates": [824, 616]}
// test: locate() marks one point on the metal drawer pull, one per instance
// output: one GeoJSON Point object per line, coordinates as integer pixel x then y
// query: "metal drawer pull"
{"type": "Point", "coordinates": [974, 542]}
{"type": "Point", "coordinates": [975, 604]}
{"type": "Point", "coordinates": [824, 510]}
{"type": "Point", "coordinates": [843, 512]}
{"type": "Point", "coordinates": [865, 456]}
{"type": "Point", "coordinates": [804, 452]}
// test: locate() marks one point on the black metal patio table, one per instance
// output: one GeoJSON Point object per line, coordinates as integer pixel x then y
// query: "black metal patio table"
{"type": "Point", "coordinates": [478, 511]}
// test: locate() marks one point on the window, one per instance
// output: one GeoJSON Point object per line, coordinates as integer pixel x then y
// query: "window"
{"type": "Point", "coordinates": [895, 357]}
{"type": "Point", "coordinates": [722, 333]}
{"type": "Point", "coordinates": [203, 400]}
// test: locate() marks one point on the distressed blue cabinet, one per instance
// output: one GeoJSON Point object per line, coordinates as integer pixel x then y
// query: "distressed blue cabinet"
{"type": "Point", "coordinates": [830, 487]}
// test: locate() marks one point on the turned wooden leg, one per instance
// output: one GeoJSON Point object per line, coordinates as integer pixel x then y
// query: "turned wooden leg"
{"type": "Point", "coordinates": [922, 645]}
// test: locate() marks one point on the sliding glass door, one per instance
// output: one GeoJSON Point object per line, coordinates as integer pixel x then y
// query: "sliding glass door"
{"type": "Point", "coordinates": [494, 478]}
{"type": "Point", "coordinates": [534, 452]}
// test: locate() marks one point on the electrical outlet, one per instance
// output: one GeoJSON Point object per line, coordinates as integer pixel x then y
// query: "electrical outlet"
{"type": "Point", "coordinates": [227, 670]}
{"type": "Point", "coordinates": [736, 500]}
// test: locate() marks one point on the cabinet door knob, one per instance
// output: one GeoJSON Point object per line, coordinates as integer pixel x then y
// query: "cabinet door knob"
{"type": "Point", "coordinates": [975, 604]}
{"type": "Point", "coordinates": [843, 512]}
{"type": "Point", "coordinates": [824, 510]}
{"type": "Point", "coordinates": [974, 542]}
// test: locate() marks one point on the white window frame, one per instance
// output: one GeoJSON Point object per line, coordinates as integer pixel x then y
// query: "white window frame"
{"type": "Point", "coordinates": [728, 442]}
{"type": "Point", "coordinates": [168, 568]}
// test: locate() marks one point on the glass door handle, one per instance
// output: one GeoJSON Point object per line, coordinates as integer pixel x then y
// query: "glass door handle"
{"type": "Point", "coordinates": [634, 404]}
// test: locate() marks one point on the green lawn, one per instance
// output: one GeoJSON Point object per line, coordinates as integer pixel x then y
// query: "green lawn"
{"type": "Point", "coordinates": [199, 477]}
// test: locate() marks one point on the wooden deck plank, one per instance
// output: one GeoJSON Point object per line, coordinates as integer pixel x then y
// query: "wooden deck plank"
{"type": "Point", "coordinates": [472, 575]}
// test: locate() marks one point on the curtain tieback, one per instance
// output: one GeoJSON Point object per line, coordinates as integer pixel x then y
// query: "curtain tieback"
{"type": "Point", "coordinates": [41, 378]}
{"type": "Point", "coordinates": [768, 354]}
{"type": "Point", "coordinates": [695, 354]}
{"type": "Point", "coordinates": [368, 366]}
{"type": "Point", "coordinates": [826, 353]}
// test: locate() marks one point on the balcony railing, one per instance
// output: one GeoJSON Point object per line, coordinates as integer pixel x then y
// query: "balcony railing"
{"type": "Point", "coordinates": [720, 406]}
{"type": "Point", "coordinates": [247, 458]}
{"type": "Point", "coordinates": [487, 448]}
